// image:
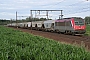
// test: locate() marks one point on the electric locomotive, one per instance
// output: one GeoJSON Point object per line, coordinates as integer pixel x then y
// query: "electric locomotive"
{"type": "Point", "coordinates": [73, 25]}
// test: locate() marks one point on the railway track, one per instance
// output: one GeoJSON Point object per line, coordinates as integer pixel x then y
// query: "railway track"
{"type": "Point", "coordinates": [86, 38]}
{"type": "Point", "coordinates": [61, 37]}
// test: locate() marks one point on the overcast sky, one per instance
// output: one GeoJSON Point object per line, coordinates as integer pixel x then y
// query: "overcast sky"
{"type": "Point", "coordinates": [71, 8]}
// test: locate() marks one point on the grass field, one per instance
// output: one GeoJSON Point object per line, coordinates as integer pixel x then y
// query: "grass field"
{"type": "Point", "coordinates": [17, 45]}
{"type": "Point", "coordinates": [88, 30]}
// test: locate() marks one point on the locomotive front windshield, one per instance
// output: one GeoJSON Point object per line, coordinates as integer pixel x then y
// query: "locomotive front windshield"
{"type": "Point", "coordinates": [79, 21]}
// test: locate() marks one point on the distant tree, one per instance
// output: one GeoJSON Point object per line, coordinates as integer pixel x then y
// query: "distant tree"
{"type": "Point", "coordinates": [4, 21]}
{"type": "Point", "coordinates": [28, 19]}
{"type": "Point", "coordinates": [42, 19]}
{"type": "Point", "coordinates": [87, 20]}
{"type": "Point", "coordinates": [35, 19]}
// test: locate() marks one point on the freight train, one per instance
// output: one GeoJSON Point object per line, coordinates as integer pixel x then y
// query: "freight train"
{"type": "Point", "coordinates": [73, 25]}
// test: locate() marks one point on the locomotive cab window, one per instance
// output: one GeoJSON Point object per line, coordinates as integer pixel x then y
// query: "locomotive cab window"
{"type": "Point", "coordinates": [79, 22]}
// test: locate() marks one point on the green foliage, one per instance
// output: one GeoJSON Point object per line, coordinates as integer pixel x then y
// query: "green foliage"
{"type": "Point", "coordinates": [17, 45]}
{"type": "Point", "coordinates": [87, 20]}
{"type": "Point", "coordinates": [4, 22]}
{"type": "Point", "coordinates": [87, 30]}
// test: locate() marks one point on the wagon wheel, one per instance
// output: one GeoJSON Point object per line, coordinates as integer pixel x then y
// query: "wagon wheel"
{"type": "Point", "coordinates": [73, 33]}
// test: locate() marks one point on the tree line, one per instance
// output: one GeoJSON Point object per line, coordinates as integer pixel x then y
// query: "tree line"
{"type": "Point", "coordinates": [87, 20]}
{"type": "Point", "coordinates": [28, 19]}
{"type": "Point", "coordinates": [5, 22]}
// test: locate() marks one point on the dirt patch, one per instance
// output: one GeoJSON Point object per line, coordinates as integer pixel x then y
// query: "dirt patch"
{"type": "Point", "coordinates": [84, 40]}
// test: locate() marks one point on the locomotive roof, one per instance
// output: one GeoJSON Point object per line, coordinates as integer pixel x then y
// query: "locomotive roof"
{"type": "Point", "coordinates": [73, 17]}
{"type": "Point", "coordinates": [70, 18]}
{"type": "Point", "coordinates": [67, 19]}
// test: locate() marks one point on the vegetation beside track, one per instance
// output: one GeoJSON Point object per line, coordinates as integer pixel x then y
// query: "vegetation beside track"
{"type": "Point", "coordinates": [87, 30]}
{"type": "Point", "coordinates": [17, 45]}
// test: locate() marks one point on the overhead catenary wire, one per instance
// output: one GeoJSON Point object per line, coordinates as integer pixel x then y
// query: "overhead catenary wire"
{"type": "Point", "coordinates": [80, 9]}
{"type": "Point", "coordinates": [52, 5]}
{"type": "Point", "coordinates": [74, 6]}
{"type": "Point", "coordinates": [78, 12]}
{"type": "Point", "coordinates": [49, 5]}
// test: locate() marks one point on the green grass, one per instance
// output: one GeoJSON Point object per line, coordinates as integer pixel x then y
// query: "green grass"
{"type": "Point", "coordinates": [17, 45]}
{"type": "Point", "coordinates": [87, 30]}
